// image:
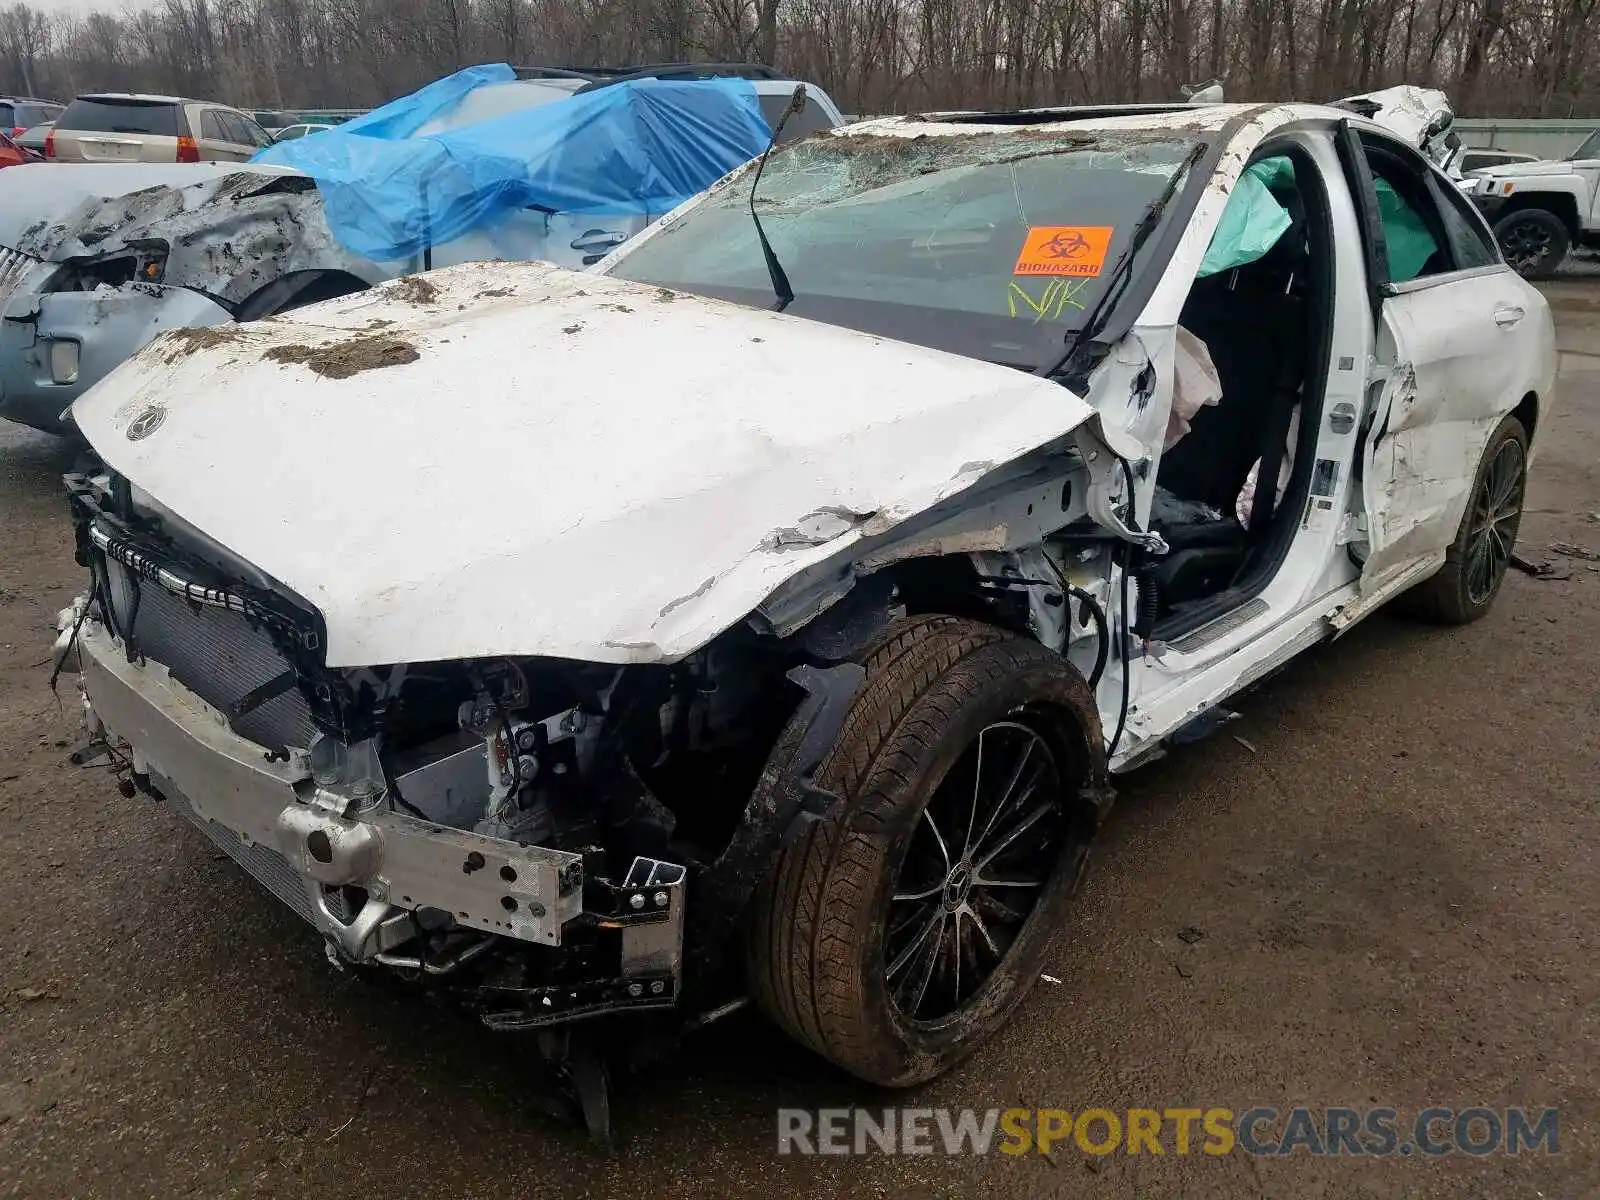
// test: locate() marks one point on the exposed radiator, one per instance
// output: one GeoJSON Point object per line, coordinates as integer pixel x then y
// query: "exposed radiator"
{"type": "Point", "coordinates": [219, 655]}
{"type": "Point", "coordinates": [267, 867]}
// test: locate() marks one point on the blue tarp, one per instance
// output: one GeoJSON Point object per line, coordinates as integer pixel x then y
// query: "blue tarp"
{"type": "Point", "coordinates": [631, 148]}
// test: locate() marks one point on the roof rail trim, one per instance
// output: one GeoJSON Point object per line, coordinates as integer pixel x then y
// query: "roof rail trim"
{"type": "Point", "coordinates": [1041, 116]}
{"type": "Point", "coordinates": [689, 70]}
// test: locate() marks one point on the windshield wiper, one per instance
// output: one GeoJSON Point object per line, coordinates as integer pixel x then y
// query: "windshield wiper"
{"type": "Point", "coordinates": [780, 280]}
{"type": "Point", "coordinates": [1121, 270]}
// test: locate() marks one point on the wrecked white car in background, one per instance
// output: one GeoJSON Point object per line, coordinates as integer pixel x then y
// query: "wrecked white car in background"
{"type": "Point", "coordinates": [776, 601]}
{"type": "Point", "coordinates": [1422, 117]}
{"type": "Point", "coordinates": [96, 260]}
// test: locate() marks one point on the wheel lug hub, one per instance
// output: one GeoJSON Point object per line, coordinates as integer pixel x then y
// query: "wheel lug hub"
{"type": "Point", "coordinates": [957, 886]}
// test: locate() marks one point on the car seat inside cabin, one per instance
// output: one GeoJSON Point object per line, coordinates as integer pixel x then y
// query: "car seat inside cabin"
{"type": "Point", "coordinates": [1252, 352]}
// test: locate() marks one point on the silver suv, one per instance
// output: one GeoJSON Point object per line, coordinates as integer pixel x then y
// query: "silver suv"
{"type": "Point", "coordinates": [119, 128]}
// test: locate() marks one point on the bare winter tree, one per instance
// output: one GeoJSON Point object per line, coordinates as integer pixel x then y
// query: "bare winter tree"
{"type": "Point", "coordinates": [1508, 57]}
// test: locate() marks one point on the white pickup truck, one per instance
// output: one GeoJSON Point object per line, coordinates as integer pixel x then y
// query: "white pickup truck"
{"type": "Point", "coordinates": [1540, 210]}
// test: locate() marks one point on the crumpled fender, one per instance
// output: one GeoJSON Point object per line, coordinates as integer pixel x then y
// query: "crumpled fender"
{"type": "Point", "coordinates": [228, 234]}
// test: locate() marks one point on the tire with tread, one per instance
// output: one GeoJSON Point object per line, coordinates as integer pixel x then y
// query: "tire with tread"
{"type": "Point", "coordinates": [815, 929]}
{"type": "Point", "coordinates": [1552, 226]}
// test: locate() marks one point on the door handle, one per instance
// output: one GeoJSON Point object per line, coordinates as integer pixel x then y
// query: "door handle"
{"type": "Point", "coordinates": [1508, 315]}
{"type": "Point", "coordinates": [596, 240]}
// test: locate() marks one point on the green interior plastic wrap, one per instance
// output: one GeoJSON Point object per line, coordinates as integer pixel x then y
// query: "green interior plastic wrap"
{"type": "Point", "coordinates": [1253, 221]}
{"type": "Point", "coordinates": [1410, 243]}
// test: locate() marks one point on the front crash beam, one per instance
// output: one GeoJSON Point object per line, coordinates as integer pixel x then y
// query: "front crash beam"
{"type": "Point", "coordinates": [246, 800]}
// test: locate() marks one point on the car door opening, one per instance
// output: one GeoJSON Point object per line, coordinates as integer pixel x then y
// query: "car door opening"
{"type": "Point", "coordinates": [1266, 323]}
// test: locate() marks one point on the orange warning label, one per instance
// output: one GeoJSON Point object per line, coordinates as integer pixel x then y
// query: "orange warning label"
{"type": "Point", "coordinates": [1064, 250]}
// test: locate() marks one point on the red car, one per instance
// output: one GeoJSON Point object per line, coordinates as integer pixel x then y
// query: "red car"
{"type": "Point", "coordinates": [13, 155]}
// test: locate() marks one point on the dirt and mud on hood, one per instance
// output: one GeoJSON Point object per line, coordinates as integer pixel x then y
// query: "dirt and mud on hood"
{"type": "Point", "coordinates": [338, 357]}
{"type": "Point", "coordinates": [471, 476]}
{"type": "Point", "coordinates": [344, 357]}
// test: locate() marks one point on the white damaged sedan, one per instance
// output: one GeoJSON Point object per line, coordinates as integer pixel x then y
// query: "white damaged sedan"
{"type": "Point", "coordinates": [766, 611]}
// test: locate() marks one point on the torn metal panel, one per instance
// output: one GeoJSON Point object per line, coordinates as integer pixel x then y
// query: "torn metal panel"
{"type": "Point", "coordinates": [224, 234]}
{"type": "Point", "coordinates": [1421, 116]}
{"type": "Point", "coordinates": [1422, 478]}
{"type": "Point", "coordinates": [1018, 510]}
{"type": "Point", "coordinates": [35, 201]}
{"type": "Point", "coordinates": [771, 425]}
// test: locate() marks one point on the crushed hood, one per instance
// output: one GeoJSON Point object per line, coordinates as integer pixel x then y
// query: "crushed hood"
{"type": "Point", "coordinates": [230, 228]}
{"type": "Point", "coordinates": [517, 459]}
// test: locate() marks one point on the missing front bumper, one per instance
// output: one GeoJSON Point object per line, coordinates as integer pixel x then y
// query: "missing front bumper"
{"type": "Point", "coordinates": [311, 851]}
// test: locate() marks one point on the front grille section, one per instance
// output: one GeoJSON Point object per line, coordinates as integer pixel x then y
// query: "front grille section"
{"type": "Point", "coordinates": [233, 647]}
{"type": "Point", "coordinates": [223, 657]}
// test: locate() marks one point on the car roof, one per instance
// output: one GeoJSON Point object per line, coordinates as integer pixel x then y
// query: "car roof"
{"type": "Point", "coordinates": [498, 100]}
{"type": "Point", "coordinates": [1177, 118]}
{"type": "Point", "coordinates": [141, 97]}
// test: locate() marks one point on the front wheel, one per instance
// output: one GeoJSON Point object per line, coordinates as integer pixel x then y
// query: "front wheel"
{"type": "Point", "coordinates": [1475, 565]}
{"type": "Point", "coordinates": [896, 935]}
{"type": "Point", "coordinates": [1534, 242]}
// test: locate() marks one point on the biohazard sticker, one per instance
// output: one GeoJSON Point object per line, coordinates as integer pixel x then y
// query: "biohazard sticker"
{"type": "Point", "coordinates": [1064, 250]}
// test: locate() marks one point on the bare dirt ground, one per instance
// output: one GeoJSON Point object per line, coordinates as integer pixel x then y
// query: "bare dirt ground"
{"type": "Point", "coordinates": [1396, 880]}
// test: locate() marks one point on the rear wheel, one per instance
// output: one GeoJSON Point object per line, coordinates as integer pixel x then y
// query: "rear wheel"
{"type": "Point", "coordinates": [894, 936]}
{"type": "Point", "coordinates": [1475, 565]}
{"type": "Point", "coordinates": [1534, 241]}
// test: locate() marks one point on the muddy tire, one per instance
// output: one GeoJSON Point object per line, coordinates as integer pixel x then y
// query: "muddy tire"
{"type": "Point", "coordinates": [1475, 565]}
{"type": "Point", "coordinates": [1534, 241]}
{"type": "Point", "coordinates": [832, 949]}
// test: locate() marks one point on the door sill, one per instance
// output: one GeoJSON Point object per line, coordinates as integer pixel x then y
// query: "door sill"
{"type": "Point", "coordinates": [1219, 627]}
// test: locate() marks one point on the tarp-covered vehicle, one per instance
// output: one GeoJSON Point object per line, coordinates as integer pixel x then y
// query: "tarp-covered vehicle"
{"type": "Point", "coordinates": [96, 260]}
{"type": "Point", "coordinates": [782, 594]}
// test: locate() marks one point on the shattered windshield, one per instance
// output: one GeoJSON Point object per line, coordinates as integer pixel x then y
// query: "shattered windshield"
{"type": "Point", "coordinates": [992, 244]}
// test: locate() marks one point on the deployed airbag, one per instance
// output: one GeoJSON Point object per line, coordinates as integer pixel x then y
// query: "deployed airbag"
{"type": "Point", "coordinates": [1196, 385]}
{"type": "Point", "coordinates": [1253, 220]}
{"type": "Point", "coordinates": [641, 147]}
{"type": "Point", "coordinates": [1409, 243]}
